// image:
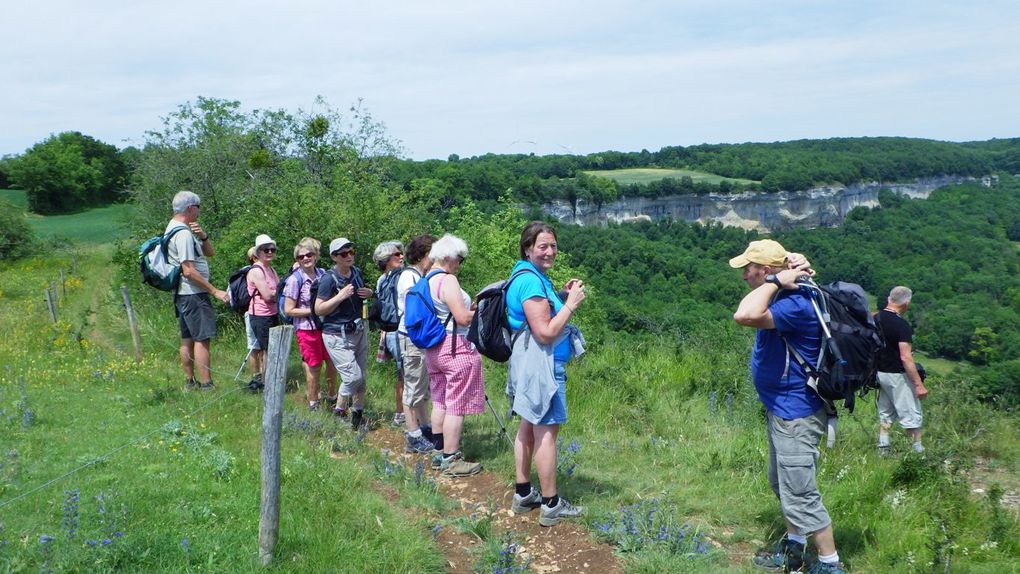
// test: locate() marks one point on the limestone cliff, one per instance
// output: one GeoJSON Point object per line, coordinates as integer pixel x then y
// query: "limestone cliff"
{"type": "Point", "coordinates": [818, 207]}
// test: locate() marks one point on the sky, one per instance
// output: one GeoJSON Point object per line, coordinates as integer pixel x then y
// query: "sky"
{"type": "Point", "coordinates": [468, 78]}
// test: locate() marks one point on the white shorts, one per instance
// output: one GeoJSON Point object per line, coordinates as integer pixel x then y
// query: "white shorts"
{"type": "Point", "coordinates": [897, 401]}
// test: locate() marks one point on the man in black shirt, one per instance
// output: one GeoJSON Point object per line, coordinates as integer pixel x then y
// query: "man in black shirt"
{"type": "Point", "coordinates": [900, 385]}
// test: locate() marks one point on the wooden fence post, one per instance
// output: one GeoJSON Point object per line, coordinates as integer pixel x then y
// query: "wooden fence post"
{"type": "Point", "coordinates": [49, 305]}
{"type": "Point", "coordinates": [277, 357]}
{"type": "Point", "coordinates": [136, 337]}
{"type": "Point", "coordinates": [56, 298]}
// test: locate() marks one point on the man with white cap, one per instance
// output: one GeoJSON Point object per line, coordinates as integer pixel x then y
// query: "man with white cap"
{"type": "Point", "coordinates": [796, 416]}
{"type": "Point", "coordinates": [262, 310]}
{"type": "Point", "coordinates": [340, 303]}
{"type": "Point", "coordinates": [196, 318]}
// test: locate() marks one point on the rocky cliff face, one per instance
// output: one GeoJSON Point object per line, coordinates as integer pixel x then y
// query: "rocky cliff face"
{"type": "Point", "coordinates": [817, 207]}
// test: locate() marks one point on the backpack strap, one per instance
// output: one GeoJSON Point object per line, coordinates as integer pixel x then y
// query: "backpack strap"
{"type": "Point", "coordinates": [164, 245]}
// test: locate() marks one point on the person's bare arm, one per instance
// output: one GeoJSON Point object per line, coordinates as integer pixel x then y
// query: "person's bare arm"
{"type": "Point", "coordinates": [451, 296]}
{"type": "Point", "coordinates": [190, 272]}
{"type": "Point", "coordinates": [910, 368]}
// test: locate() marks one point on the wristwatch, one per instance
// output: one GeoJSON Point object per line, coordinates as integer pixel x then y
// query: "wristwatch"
{"type": "Point", "coordinates": [771, 278]}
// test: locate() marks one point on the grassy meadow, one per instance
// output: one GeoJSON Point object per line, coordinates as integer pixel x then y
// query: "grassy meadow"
{"type": "Point", "coordinates": [665, 437]}
{"type": "Point", "coordinates": [90, 227]}
{"type": "Point", "coordinates": [647, 175]}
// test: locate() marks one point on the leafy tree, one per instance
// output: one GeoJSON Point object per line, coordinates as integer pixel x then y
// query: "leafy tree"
{"type": "Point", "coordinates": [68, 172]}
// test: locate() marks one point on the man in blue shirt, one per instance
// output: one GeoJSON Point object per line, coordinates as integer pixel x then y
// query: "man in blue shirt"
{"type": "Point", "coordinates": [783, 315]}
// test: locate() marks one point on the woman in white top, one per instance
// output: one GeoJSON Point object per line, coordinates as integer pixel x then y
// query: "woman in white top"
{"type": "Point", "coordinates": [454, 366]}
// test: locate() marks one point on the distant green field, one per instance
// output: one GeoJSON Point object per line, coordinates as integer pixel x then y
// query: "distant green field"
{"type": "Point", "coordinates": [648, 175]}
{"type": "Point", "coordinates": [100, 225]}
{"type": "Point", "coordinates": [15, 196]}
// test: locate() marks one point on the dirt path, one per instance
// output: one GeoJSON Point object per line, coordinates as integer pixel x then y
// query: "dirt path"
{"type": "Point", "coordinates": [564, 548]}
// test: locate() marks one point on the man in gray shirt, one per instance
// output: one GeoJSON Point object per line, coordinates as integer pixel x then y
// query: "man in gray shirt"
{"type": "Point", "coordinates": [193, 306]}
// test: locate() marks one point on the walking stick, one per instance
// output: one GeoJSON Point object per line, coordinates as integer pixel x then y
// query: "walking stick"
{"type": "Point", "coordinates": [243, 363]}
{"type": "Point", "coordinates": [499, 421]}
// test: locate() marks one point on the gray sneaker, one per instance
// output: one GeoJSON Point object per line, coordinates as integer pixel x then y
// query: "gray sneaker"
{"type": "Point", "coordinates": [418, 444]}
{"type": "Point", "coordinates": [207, 386]}
{"type": "Point", "coordinates": [522, 504]}
{"type": "Point", "coordinates": [551, 516]}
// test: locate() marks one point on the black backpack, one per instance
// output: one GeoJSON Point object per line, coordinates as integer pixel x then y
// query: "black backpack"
{"type": "Point", "coordinates": [384, 312]}
{"type": "Point", "coordinates": [280, 299]}
{"type": "Point", "coordinates": [490, 327]}
{"type": "Point", "coordinates": [338, 283]}
{"type": "Point", "coordinates": [238, 298]}
{"type": "Point", "coordinates": [848, 358]}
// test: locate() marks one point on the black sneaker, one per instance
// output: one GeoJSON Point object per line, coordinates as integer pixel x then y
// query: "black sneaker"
{"type": "Point", "coordinates": [785, 556]}
{"type": "Point", "coordinates": [191, 384]}
{"type": "Point", "coordinates": [207, 386]}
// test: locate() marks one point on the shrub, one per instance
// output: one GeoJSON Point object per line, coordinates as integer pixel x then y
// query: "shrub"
{"type": "Point", "coordinates": [15, 234]}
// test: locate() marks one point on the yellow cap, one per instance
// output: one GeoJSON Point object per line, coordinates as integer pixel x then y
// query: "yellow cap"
{"type": "Point", "coordinates": [763, 252]}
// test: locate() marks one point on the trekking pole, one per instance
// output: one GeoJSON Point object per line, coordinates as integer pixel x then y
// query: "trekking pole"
{"type": "Point", "coordinates": [499, 421]}
{"type": "Point", "coordinates": [241, 368]}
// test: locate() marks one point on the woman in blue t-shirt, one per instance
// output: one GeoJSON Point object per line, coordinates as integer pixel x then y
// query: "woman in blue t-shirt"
{"type": "Point", "coordinates": [537, 371]}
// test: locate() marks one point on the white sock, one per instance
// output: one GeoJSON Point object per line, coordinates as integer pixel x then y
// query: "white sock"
{"type": "Point", "coordinates": [918, 447]}
{"type": "Point", "coordinates": [830, 559]}
{"type": "Point", "coordinates": [802, 540]}
{"type": "Point", "coordinates": [415, 433]}
{"type": "Point", "coordinates": [883, 439]}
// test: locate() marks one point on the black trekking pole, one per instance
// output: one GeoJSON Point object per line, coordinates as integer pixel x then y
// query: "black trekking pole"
{"type": "Point", "coordinates": [499, 421]}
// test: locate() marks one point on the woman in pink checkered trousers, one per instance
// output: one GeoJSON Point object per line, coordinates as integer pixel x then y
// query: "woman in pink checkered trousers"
{"type": "Point", "coordinates": [454, 366]}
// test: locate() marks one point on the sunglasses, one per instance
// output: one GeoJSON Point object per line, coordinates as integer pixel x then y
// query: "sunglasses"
{"type": "Point", "coordinates": [268, 250]}
{"type": "Point", "coordinates": [345, 253]}
{"type": "Point", "coordinates": [305, 256]}
{"type": "Point", "coordinates": [397, 254]}
{"type": "Point", "coordinates": [461, 259]}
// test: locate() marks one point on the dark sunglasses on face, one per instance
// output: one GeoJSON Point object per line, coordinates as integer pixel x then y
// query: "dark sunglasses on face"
{"type": "Point", "coordinates": [397, 254]}
{"type": "Point", "coordinates": [268, 250]}
{"type": "Point", "coordinates": [345, 253]}
{"type": "Point", "coordinates": [305, 256]}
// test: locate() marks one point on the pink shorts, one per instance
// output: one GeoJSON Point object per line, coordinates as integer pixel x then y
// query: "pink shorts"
{"type": "Point", "coordinates": [455, 381]}
{"type": "Point", "coordinates": [313, 352]}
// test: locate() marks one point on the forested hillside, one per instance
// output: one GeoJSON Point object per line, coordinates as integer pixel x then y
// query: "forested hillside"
{"type": "Point", "coordinates": [788, 166]}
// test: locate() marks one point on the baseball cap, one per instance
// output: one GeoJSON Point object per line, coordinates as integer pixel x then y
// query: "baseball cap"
{"type": "Point", "coordinates": [338, 244]}
{"type": "Point", "coordinates": [762, 252]}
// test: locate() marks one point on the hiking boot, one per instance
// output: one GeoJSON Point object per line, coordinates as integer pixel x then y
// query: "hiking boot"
{"type": "Point", "coordinates": [436, 461]}
{"type": "Point", "coordinates": [340, 412]}
{"type": "Point", "coordinates": [455, 466]}
{"type": "Point", "coordinates": [356, 418]}
{"type": "Point", "coordinates": [255, 385]}
{"type": "Point", "coordinates": [398, 419]}
{"type": "Point", "coordinates": [823, 568]}
{"type": "Point", "coordinates": [785, 556]}
{"type": "Point", "coordinates": [417, 444]}
{"type": "Point", "coordinates": [207, 386]}
{"type": "Point", "coordinates": [551, 516]}
{"type": "Point", "coordinates": [522, 504]}
{"type": "Point", "coordinates": [191, 384]}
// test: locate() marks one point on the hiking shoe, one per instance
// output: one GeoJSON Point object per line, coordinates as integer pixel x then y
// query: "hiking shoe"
{"type": "Point", "coordinates": [455, 466]}
{"type": "Point", "coordinates": [417, 444]}
{"type": "Point", "coordinates": [398, 419]}
{"type": "Point", "coordinates": [823, 568]}
{"type": "Point", "coordinates": [785, 556]}
{"type": "Point", "coordinates": [207, 386]}
{"type": "Point", "coordinates": [340, 412]}
{"type": "Point", "coordinates": [522, 504]}
{"type": "Point", "coordinates": [551, 516]}
{"type": "Point", "coordinates": [313, 406]}
{"type": "Point", "coordinates": [191, 384]}
{"type": "Point", "coordinates": [918, 447]}
{"type": "Point", "coordinates": [884, 450]}
{"type": "Point", "coordinates": [436, 461]}
{"type": "Point", "coordinates": [356, 418]}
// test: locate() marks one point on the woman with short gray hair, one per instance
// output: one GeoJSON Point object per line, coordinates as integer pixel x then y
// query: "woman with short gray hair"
{"type": "Point", "coordinates": [454, 366]}
{"type": "Point", "coordinates": [389, 257]}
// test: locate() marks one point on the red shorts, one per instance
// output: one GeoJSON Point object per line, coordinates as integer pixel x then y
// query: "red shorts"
{"type": "Point", "coordinates": [313, 352]}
